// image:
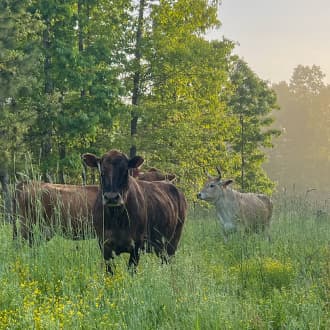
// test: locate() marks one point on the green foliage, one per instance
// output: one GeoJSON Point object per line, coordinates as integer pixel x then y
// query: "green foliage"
{"type": "Point", "coordinates": [80, 77]}
{"type": "Point", "coordinates": [185, 124]}
{"type": "Point", "coordinates": [183, 75]}
{"type": "Point", "coordinates": [19, 56]}
{"type": "Point", "coordinates": [19, 60]}
{"type": "Point", "coordinates": [77, 64]}
{"type": "Point", "coordinates": [250, 104]}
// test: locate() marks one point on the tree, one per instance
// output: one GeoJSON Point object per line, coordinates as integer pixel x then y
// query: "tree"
{"type": "Point", "coordinates": [181, 79]}
{"type": "Point", "coordinates": [307, 80]}
{"type": "Point", "coordinates": [83, 53]}
{"type": "Point", "coordinates": [251, 102]}
{"type": "Point", "coordinates": [301, 157]}
{"type": "Point", "coordinates": [18, 61]}
{"type": "Point", "coordinates": [136, 92]}
{"type": "Point", "coordinates": [96, 55]}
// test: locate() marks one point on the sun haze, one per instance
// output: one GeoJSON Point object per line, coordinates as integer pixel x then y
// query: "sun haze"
{"type": "Point", "coordinates": [275, 36]}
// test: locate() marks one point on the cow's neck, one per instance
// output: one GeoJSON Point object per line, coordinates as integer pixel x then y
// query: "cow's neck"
{"type": "Point", "coordinates": [115, 216]}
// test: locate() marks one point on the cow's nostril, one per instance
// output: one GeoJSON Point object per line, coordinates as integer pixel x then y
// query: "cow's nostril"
{"type": "Point", "coordinates": [107, 196]}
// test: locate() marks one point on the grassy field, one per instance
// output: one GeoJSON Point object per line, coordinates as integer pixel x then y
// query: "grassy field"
{"type": "Point", "coordinates": [247, 283]}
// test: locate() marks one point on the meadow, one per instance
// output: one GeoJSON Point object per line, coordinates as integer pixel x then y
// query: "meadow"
{"type": "Point", "coordinates": [246, 283]}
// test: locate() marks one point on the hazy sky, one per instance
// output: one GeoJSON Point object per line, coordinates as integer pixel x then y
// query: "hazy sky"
{"type": "Point", "coordinates": [275, 36]}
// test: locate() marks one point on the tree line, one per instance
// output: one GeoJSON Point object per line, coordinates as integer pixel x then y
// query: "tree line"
{"type": "Point", "coordinates": [300, 160]}
{"type": "Point", "coordinates": [87, 76]}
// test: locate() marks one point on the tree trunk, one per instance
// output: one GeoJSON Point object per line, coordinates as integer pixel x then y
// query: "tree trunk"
{"type": "Point", "coordinates": [62, 154]}
{"type": "Point", "coordinates": [136, 78]}
{"type": "Point", "coordinates": [46, 145]}
{"type": "Point", "coordinates": [47, 63]}
{"type": "Point", "coordinates": [241, 119]}
{"type": "Point", "coordinates": [81, 19]}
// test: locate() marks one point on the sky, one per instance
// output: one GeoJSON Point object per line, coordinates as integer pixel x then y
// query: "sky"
{"type": "Point", "coordinates": [275, 36]}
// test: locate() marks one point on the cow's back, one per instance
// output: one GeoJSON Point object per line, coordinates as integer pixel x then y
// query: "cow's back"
{"type": "Point", "coordinates": [66, 206]}
{"type": "Point", "coordinates": [255, 209]}
{"type": "Point", "coordinates": [72, 202]}
{"type": "Point", "coordinates": [155, 175]}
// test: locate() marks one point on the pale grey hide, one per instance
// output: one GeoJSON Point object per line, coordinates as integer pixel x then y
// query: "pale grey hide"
{"type": "Point", "coordinates": [236, 210]}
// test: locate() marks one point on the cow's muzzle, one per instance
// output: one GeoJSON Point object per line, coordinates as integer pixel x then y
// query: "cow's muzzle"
{"type": "Point", "coordinates": [199, 195]}
{"type": "Point", "coordinates": [112, 199]}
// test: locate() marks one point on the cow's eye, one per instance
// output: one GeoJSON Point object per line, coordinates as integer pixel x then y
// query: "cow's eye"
{"type": "Point", "coordinates": [212, 185]}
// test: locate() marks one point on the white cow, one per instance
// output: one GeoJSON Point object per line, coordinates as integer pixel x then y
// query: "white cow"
{"type": "Point", "coordinates": [236, 210]}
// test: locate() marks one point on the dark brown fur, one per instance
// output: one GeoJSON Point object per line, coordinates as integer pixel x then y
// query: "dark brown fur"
{"type": "Point", "coordinates": [66, 208]}
{"type": "Point", "coordinates": [137, 212]}
{"type": "Point", "coordinates": [154, 174]}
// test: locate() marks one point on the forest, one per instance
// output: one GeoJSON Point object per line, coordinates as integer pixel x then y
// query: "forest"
{"type": "Point", "coordinates": [299, 161]}
{"type": "Point", "coordinates": [139, 76]}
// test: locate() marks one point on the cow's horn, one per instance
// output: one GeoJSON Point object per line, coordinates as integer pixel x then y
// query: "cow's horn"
{"type": "Point", "coordinates": [219, 171]}
{"type": "Point", "coordinates": [207, 174]}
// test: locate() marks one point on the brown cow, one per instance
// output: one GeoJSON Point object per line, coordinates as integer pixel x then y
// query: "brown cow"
{"type": "Point", "coordinates": [54, 207]}
{"type": "Point", "coordinates": [154, 174]}
{"type": "Point", "coordinates": [129, 214]}
{"type": "Point", "coordinates": [33, 196]}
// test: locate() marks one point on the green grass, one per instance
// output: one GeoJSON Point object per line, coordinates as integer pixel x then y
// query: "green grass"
{"type": "Point", "coordinates": [246, 283]}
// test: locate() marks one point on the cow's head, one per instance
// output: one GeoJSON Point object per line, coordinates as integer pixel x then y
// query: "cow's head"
{"type": "Point", "coordinates": [114, 169]}
{"type": "Point", "coordinates": [214, 188]}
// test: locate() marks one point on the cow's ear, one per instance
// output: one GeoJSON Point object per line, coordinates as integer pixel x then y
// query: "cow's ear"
{"type": "Point", "coordinates": [135, 172]}
{"type": "Point", "coordinates": [90, 160]}
{"type": "Point", "coordinates": [226, 183]}
{"type": "Point", "coordinates": [135, 162]}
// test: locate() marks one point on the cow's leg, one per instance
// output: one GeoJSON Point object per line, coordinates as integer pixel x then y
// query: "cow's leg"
{"type": "Point", "coordinates": [165, 251]}
{"type": "Point", "coordinates": [165, 258]}
{"type": "Point", "coordinates": [108, 256]}
{"type": "Point", "coordinates": [31, 239]}
{"type": "Point", "coordinates": [134, 257]}
{"type": "Point", "coordinates": [109, 266]}
{"type": "Point", "coordinates": [15, 230]}
{"type": "Point", "coordinates": [172, 244]}
{"type": "Point", "coordinates": [225, 234]}
{"type": "Point", "coordinates": [169, 250]}
{"type": "Point", "coordinates": [228, 228]}
{"type": "Point", "coordinates": [267, 234]}
{"type": "Point", "coordinates": [27, 234]}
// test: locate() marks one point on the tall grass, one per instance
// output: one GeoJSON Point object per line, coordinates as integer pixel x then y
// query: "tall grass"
{"type": "Point", "coordinates": [246, 283]}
